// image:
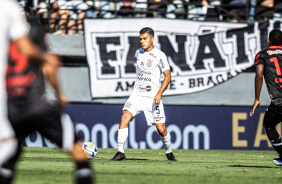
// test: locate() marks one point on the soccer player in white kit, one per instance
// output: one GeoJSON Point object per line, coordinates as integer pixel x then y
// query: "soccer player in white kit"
{"type": "Point", "coordinates": [147, 93]}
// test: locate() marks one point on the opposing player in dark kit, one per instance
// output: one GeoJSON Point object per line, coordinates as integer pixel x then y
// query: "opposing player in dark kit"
{"type": "Point", "coordinates": [268, 65]}
{"type": "Point", "coordinates": [147, 93]}
{"type": "Point", "coordinates": [29, 108]}
{"type": "Point", "coordinates": [12, 28]}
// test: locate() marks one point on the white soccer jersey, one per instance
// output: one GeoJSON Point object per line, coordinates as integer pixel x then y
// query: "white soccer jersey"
{"type": "Point", "coordinates": [150, 66]}
{"type": "Point", "coordinates": [12, 27]}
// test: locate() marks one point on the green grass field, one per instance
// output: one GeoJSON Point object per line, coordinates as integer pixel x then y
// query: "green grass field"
{"type": "Point", "coordinates": [52, 166]}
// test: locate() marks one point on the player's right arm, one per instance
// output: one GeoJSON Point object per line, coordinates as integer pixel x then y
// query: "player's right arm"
{"type": "Point", "coordinates": [30, 49]}
{"type": "Point", "coordinates": [50, 69]}
{"type": "Point", "coordinates": [258, 83]}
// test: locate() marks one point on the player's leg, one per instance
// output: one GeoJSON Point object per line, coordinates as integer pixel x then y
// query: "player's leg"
{"type": "Point", "coordinates": [20, 121]}
{"type": "Point", "coordinates": [7, 146]}
{"type": "Point", "coordinates": [71, 144]}
{"type": "Point", "coordinates": [130, 110]}
{"type": "Point", "coordinates": [8, 143]}
{"type": "Point", "coordinates": [155, 115]}
{"type": "Point", "coordinates": [59, 128]}
{"type": "Point", "coordinates": [83, 169]}
{"type": "Point", "coordinates": [166, 139]}
{"type": "Point", "coordinates": [122, 135]}
{"type": "Point", "coordinates": [271, 119]}
{"type": "Point", "coordinates": [7, 170]}
{"type": "Point", "coordinates": [123, 129]}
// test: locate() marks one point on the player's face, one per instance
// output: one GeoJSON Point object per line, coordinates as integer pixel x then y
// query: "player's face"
{"type": "Point", "coordinates": [146, 41]}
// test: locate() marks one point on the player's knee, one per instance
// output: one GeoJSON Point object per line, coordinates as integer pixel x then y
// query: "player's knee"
{"type": "Point", "coordinates": [123, 123]}
{"type": "Point", "coordinates": [125, 118]}
{"type": "Point", "coordinates": [162, 132]}
{"type": "Point", "coordinates": [267, 125]}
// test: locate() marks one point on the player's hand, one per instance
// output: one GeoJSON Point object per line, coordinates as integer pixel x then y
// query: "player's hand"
{"type": "Point", "coordinates": [157, 99]}
{"type": "Point", "coordinates": [256, 104]}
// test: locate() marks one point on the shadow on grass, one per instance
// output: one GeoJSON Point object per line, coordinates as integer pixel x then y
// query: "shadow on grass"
{"type": "Point", "coordinates": [252, 166]}
{"type": "Point", "coordinates": [135, 159]}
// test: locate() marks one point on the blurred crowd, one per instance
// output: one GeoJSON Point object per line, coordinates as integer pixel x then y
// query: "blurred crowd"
{"type": "Point", "coordinates": [65, 16]}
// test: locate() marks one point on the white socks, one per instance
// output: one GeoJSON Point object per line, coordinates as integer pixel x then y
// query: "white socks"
{"type": "Point", "coordinates": [8, 149]}
{"type": "Point", "coordinates": [122, 136]}
{"type": "Point", "coordinates": [166, 141]}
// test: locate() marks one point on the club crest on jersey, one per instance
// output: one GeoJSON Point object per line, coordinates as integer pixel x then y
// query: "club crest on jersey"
{"type": "Point", "coordinates": [149, 62]}
{"type": "Point", "coordinates": [128, 104]}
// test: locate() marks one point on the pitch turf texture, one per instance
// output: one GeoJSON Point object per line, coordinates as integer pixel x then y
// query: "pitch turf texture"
{"type": "Point", "coordinates": [52, 166]}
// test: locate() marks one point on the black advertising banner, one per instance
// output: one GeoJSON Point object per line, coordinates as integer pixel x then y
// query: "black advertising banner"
{"type": "Point", "coordinates": [201, 55]}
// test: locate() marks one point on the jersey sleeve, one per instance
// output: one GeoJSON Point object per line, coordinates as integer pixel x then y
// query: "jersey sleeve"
{"type": "Point", "coordinates": [163, 63]}
{"type": "Point", "coordinates": [17, 22]}
{"type": "Point", "coordinates": [136, 53]}
{"type": "Point", "coordinates": [259, 59]}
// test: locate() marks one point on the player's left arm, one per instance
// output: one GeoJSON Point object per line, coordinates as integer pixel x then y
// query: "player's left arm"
{"type": "Point", "coordinates": [258, 86]}
{"type": "Point", "coordinates": [165, 83]}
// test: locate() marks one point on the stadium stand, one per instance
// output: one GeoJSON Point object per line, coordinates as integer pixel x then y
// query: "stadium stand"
{"type": "Point", "coordinates": [66, 18]}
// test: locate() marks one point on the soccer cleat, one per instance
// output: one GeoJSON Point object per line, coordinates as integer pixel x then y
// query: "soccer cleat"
{"type": "Point", "coordinates": [278, 161]}
{"type": "Point", "coordinates": [119, 156]}
{"type": "Point", "coordinates": [170, 157]}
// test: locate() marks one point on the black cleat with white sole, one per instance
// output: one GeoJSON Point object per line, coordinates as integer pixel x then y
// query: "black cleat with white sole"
{"type": "Point", "coordinates": [170, 157]}
{"type": "Point", "coordinates": [119, 156]}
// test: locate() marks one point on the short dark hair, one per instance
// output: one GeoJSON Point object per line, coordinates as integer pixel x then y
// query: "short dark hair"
{"type": "Point", "coordinates": [147, 30]}
{"type": "Point", "coordinates": [275, 37]}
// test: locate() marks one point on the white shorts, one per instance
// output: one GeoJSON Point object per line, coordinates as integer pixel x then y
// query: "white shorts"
{"type": "Point", "coordinates": [154, 113]}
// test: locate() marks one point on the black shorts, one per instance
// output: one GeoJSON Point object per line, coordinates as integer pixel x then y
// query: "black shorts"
{"type": "Point", "coordinates": [46, 118]}
{"type": "Point", "coordinates": [273, 116]}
